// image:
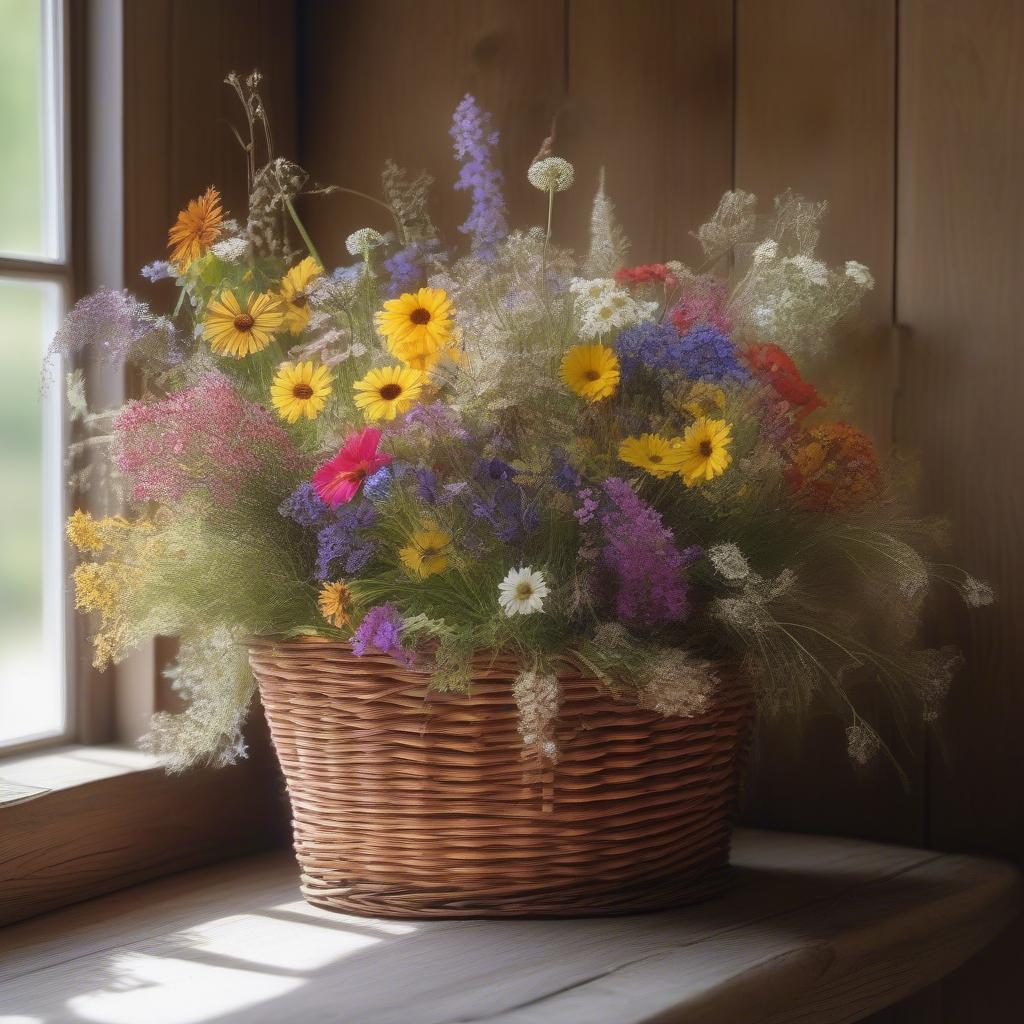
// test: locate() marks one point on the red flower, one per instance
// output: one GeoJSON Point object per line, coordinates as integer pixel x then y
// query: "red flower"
{"type": "Point", "coordinates": [772, 366]}
{"type": "Point", "coordinates": [834, 469]}
{"type": "Point", "coordinates": [647, 273]}
{"type": "Point", "coordinates": [704, 305]}
{"type": "Point", "coordinates": [339, 479]}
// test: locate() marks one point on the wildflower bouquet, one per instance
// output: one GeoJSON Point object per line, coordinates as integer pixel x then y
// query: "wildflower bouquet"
{"type": "Point", "coordinates": [440, 452]}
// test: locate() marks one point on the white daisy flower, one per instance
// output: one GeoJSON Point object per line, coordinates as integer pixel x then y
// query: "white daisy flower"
{"type": "Point", "coordinates": [522, 591]}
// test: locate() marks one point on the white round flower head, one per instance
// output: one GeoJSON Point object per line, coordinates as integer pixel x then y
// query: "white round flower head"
{"type": "Point", "coordinates": [766, 251]}
{"type": "Point", "coordinates": [552, 174]}
{"type": "Point", "coordinates": [813, 270]}
{"type": "Point", "coordinates": [729, 561]}
{"type": "Point", "coordinates": [859, 274]}
{"type": "Point", "coordinates": [360, 242]}
{"type": "Point", "coordinates": [522, 591]}
{"type": "Point", "coordinates": [231, 250]}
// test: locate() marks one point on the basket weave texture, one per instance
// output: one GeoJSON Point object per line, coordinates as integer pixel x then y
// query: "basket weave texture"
{"type": "Point", "coordinates": [411, 803]}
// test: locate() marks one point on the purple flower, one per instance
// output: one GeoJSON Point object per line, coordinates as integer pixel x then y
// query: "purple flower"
{"type": "Point", "coordinates": [475, 140]}
{"type": "Point", "coordinates": [304, 506]}
{"type": "Point", "coordinates": [377, 486]}
{"type": "Point", "coordinates": [114, 323]}
{"type": "Point", "coordinates": [340, 540]}
{"type": "Point", "coordinates": [565, 478]}
{"type": "Point", "coordinates": [381, 630]}
{"type": "Point", "coordinates": [408, 266]}
{"type": "Point", "coordinates": [503, 504]}
{"type": "Point", "coordinates": [434, 420]}
{"type": "Point", "coordinates": [158, 270]}
{"type": "Point", "coordinates": [641, 556]}
{"type": "Point", "coordinates": [703, 353]}
{"type": "Point", "coordinates": [588, 507]}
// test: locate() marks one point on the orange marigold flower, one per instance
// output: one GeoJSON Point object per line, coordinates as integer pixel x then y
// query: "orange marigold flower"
{"type": "Point", "coordinates": [834, 469]}
{"type": "Point", "coordinates": [198, 226]}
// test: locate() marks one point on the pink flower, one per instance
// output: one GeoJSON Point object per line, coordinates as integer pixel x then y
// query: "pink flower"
{"type": "Point", "coordinates": [339, 480]}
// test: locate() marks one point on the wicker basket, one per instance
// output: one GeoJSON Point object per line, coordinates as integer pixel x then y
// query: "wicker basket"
{"type": "Point", "coordinates": [411, 803]}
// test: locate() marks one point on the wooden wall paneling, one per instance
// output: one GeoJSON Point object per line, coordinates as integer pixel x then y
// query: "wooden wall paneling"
{"type": "Point", "coordinates": [381, 78]}
{"type": "Point", "coordinates": [815, 110]}
{"type": "Point", "coordinates": [177, 110]}
{"type": "Point", "coordinates": [961, 218]}
{"type": "Point", "coordinates": [650, 87]}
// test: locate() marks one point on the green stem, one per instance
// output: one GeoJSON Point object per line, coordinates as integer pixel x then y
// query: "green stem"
{"type": "Point", "coordinates": [379, 202]}
{"type": "Point", "coordinates": [551, 207]}
{"type": "Point", "coordinates": [306, 240]}
{"type": "Point", "coordinates": [181, 302]}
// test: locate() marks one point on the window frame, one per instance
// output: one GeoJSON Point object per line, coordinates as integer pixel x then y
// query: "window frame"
{"type": "Point", "coordinates": [58, 270]}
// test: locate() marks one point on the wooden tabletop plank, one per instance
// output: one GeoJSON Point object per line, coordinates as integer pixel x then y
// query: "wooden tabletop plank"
{"type": "Point", "coordinates": [815, 930]}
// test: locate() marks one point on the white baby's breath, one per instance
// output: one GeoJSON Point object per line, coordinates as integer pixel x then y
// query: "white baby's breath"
{"type": "Point", "coordinates": [360, 242]}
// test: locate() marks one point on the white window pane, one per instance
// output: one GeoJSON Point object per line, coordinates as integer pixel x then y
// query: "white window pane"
{"type": "Point", "coordinates": [32, 691]}
{"type": "Point", "coordinates": [31, 95]}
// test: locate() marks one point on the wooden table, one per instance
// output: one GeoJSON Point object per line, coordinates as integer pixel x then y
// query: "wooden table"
{"type": "Point", "coordinates": [815, 930]}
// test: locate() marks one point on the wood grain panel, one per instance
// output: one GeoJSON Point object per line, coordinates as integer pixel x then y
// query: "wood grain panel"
{"type": "Point", "coordinates": [381, 78]}
{"type": "Point", "coordinates": [815, 111]}
{"type": "Point", "coordinates": [177, 109]}
{"type": "Point", "coordinates": [816, 931]}
{"type": "Point", "coordinates": [78, 842]}
{"type": "Point", "coordinates": [961, 218]}
{"type": "Point", "coordinates": [662, 130]}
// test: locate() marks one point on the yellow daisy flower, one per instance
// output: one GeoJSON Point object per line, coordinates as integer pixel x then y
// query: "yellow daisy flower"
{"type": "Point", "coordinates": [704, 450]}
{"type": "Point", "coordinates": [385, 392]}
{"type": "Point", "coordinates": [335, 602]}
{"type": "Point", "coordinates": [703, 398]}
{"type": "Point", "coordinates": [295, 293]}
{"type": "Point", "coordinates": [418, 328]}
{"type": "Point", "coordinates": [198, 226]}
{"type": "Point", "coordinates": [591, 371]}
{"type": "Point", "coordinates": [300, 390]}
{"type": "Point", "coordinates": [234, 330]}
{"type": "Point", "coordinates": [658, 455]}
{"type": "Point", "coordinates": [426, 554]}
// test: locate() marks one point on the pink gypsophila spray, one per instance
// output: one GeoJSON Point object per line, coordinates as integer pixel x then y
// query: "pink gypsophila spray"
{"type": "Point", "coordinates": [206, 438]}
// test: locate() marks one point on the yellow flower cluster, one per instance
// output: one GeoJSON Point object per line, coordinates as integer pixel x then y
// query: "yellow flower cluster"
{"type": "Point", "coordinates": [702, 453]}
{"type": "Point", "coordinates": [105, 587]}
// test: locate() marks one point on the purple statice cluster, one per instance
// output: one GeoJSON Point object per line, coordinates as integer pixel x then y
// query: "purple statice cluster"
{"type": "Point", "coordinates": [563, 475]}
{"type": "Point", "coordinates": [113, 323]}
{"type": "Point", "coordinates": [305, 507]}
{"type": "Point", "coordinates": [342, 546]}
{"type": "Point", "coordinates": [501, 502]}
{"type": "Point", "coordinates": [433, 421]}
{"type": "Point", "coordinates": [702, 353]}
{"type": "Point", "coordinates": [431, 491]}
{"type": "Point", "coordinates": [407, 268]}
{"type": "Point", "coordinates": [475, 142]}
{"type": "Point", "coordinates": [381, 630]}
{"type": "Point", "coordinates": [641, 556]}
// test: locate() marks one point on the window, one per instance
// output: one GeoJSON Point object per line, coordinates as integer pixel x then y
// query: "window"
{"type": "Point", "coordinates": [35, 278]}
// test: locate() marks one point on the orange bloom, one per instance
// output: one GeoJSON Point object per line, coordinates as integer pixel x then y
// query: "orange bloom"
{"type": "Point", "coordinates": [198, 226]}
{"type": "Point", "coordinates": [834, 469]}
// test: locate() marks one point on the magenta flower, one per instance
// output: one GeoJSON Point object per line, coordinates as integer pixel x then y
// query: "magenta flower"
{"type": "Point", "coordinates": [338, 481]}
